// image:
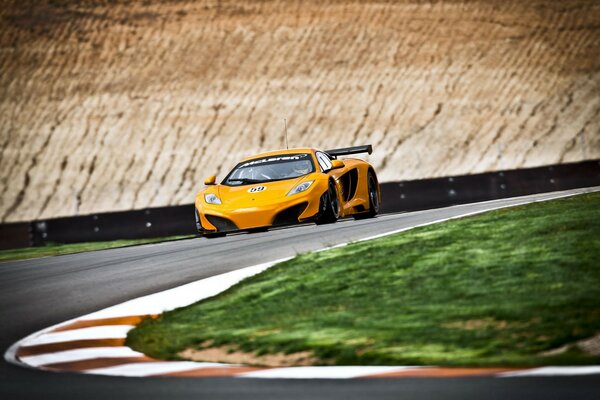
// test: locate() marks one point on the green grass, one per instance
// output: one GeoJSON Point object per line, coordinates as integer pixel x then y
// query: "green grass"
{"type": "Point", "coordinates": [57, 249]}
{"type": "Point", "coordinates": [491, 290]}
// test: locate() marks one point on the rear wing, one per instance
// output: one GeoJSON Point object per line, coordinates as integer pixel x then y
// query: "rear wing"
{"type": "Point", "coordinates": [349, 150]}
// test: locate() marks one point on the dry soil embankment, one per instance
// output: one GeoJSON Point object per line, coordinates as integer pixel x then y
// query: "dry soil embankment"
{"type": "Point", "coordinates": [126, 104]}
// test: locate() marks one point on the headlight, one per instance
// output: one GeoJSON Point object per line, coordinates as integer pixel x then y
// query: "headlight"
{"type": "Point", "coordinates": [300, 188]}
{"type": "Point", "coordinates": [212, 199]}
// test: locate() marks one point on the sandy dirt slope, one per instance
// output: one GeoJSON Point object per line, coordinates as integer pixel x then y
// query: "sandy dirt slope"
{"type": "Point", "coordinates": [113, 105]}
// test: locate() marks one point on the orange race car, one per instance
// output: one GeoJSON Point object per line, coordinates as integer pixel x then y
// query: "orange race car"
{"type": "Point", "coordinates": [288, 187]}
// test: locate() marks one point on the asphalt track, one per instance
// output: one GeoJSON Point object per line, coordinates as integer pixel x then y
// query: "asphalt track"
{"type": "Point", "coordinates": [38, 293]}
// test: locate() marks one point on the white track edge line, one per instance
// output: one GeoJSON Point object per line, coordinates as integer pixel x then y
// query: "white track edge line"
{"type": "Point", "coordinates": [553, 371]}
{"type": "Point", "coordinates": [86, 353]}
{"type": "Point", "coordinates": [152, 368]}
{"type": "Point", "coordinates": [324, 372]}
{"type": "Point", "coordinates": [91, 333]}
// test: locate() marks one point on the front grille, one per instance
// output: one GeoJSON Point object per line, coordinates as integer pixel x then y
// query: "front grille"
{"type": "Point", "coordinates": [290, 215]}
{"type": "Point", "coordinates": [222, 224]}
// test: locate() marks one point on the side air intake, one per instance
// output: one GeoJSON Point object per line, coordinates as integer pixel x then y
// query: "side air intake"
{"type": "Point", "coordinates": [290, 215]}
{"type": "Point", "coordinates": [222, 224]}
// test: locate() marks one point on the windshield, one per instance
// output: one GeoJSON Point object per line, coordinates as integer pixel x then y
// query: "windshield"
{"type": "Point", "coordinates": [273, 168]}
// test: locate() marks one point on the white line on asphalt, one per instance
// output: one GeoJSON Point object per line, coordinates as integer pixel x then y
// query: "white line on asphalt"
{"type": "Point", "coordinates": [95, 332]}
{"type": "Point", "coordinates": [153, 368]}
{"type": "Point", "coordinates": [88, 353]}
{"type": "Point", "coordinates": [325, 372]}
{"type": "Point", "coordinates": [554, 371]}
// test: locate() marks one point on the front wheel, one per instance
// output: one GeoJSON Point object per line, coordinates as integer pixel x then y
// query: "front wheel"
{"type": "Point", "coordinates": [330, 206]}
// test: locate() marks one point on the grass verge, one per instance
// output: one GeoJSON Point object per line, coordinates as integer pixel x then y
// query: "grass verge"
{"type": "Point", "coordinates": [498, 289]}
{"type": "Point", "coordinates": [57, 249]}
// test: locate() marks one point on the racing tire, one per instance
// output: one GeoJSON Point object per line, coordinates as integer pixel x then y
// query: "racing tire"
{"type": "Point", "coordinates": [331, 212]}
{"type": "Point", "coordinates": [374, 202]}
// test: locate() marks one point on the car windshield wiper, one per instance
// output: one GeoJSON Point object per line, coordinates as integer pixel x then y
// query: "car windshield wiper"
{"type": "Point", "coordinates": [245, 180]}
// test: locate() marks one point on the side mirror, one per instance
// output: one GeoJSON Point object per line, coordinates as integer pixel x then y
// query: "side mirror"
{"type": "Point", "coordinates": [335, 164]}
{"type": "Point", "coordinates": [210, 180]}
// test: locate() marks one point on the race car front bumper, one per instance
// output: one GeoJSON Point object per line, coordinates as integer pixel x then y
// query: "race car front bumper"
{"type": "Point", "coordinates": [219, 218]}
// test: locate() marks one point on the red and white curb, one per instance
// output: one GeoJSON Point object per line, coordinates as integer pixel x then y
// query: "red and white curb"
{"type": "Point", "coordinates": [95, 343]}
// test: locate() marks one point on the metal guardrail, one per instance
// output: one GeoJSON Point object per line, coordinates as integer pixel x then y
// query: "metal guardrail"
{"type": "Point", "coordinates": [396, 197]}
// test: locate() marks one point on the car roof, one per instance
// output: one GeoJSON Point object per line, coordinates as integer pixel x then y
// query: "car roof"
{"type": "Point", "coordinates": [283, 151]}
